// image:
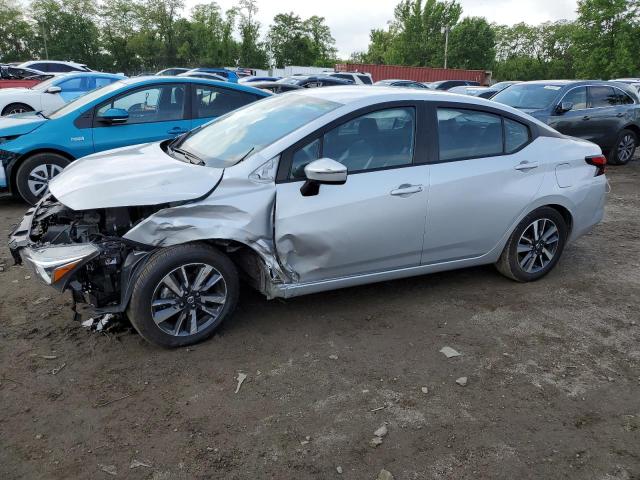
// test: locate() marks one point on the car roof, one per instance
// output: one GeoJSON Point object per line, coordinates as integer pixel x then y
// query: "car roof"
{"type": "Point", "coordinates": [69, 75]}
{"type": "Point", "coordinates": [153, 79]}
{"type": "Point", "coordinates": [60, 62]}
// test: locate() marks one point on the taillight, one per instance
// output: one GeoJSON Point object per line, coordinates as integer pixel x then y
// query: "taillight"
{"type": "Point", "coordinates": [598, 161]}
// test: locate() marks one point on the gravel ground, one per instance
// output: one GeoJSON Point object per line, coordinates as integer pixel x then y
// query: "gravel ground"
{"type": "Point", "coordinates": [553, 377]}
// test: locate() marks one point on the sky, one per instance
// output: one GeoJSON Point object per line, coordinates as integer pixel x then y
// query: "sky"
{"type": "Point", "coordinates": [352, 20]}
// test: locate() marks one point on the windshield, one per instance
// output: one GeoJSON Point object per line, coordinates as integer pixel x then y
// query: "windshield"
{"type": "Point", "coordinates": [86, 99]}
{"type": "Point", "coordinates": [292, 80]}
{"type": "Point", "coordinates": [246, 131]}
{"type": "Point", "coordinates": [528, 96]}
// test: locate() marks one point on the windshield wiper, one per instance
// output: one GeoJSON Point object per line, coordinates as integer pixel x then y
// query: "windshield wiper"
{"type": "Point", "coordinates": [193, 158]}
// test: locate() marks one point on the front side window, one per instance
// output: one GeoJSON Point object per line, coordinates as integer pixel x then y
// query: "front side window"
{"type": "Point", "coordinates": [577, 96]}
{"type": "Point", "coordinates": [72, 85]}
{"type": "Point", "coordinates": [215, 101]}
{"type": "Point", "coordinates": [602, 97]}
{"type": "Point", "coordinates": [375, 140]}
{"type": "Point", "coordinates": [468, 134]}
{"type": "Point", "coordinates": [155, 104]}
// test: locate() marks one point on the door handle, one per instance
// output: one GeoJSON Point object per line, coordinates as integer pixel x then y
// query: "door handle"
{"type": "Point", "coordinates": [177, 131]}
{"type": "Point", "coordinates": [406, 189]}
{"type": "Point", "coordinates": [526, 166]}
{"type": "Point", "coordinates": [586, 117]}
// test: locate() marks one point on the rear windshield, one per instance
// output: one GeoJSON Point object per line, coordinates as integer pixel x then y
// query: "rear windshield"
{"type": "Point", "coordinates": [528, 96]}
{"type": "Point", "coordinates": [244, 132]}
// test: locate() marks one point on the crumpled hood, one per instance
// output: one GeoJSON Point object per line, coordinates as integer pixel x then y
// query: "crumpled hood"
{"type": "Point", "coordinates": [131, 176]}
{"type": "Point", "coordinates": [20, 124]}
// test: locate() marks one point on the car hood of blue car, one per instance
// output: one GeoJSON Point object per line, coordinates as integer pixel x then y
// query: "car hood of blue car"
{"type": "Point", "coordinates": [20, 124]}
{"type": "Point", "coordinates": [132, 176]}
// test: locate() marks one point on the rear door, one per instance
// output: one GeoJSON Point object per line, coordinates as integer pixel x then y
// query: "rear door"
{"type": "Point", "coordinates": [485, 177]}
{"type": "Point", "coordinates": [209, 102]}
{"type": "Point", "coordinates": [156, 112]}
{"type": "Point", "coordinates": [603, 115]}
{"type": "Point", "coordinates": [375, 221]}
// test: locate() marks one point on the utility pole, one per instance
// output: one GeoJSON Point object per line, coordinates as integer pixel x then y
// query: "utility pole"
{"type": "Point", "coordinates": [445, 31]}
{"type": "Point", "coordinates": [44, 36]}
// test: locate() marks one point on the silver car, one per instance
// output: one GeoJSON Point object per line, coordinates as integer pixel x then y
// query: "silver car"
{"type": "Point", "coordinates": [310, 191]}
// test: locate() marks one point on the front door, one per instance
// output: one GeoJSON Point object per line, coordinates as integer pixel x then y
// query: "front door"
{"type": "Point", "coordinates": [481, 185]}
{"type": "Point", "coordinates": [575, 122]}
{"type": "Point", "coordinates": [155, 113]}
{"type": "Point", "coordinates": [374, 222]}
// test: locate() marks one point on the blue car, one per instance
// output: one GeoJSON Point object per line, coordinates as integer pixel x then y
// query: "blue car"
{"type": "Point", "coordinates": [35, 147]}
{"type": "Point", "coordinates": [230, 75]}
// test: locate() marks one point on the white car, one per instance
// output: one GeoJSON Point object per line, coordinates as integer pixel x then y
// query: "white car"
{"type": "Point", "coordinates": [50, 95]}
{"type": "Point", "coordinates": [55, 66]}
{"type": "Point", "coordinates": [358, 78]}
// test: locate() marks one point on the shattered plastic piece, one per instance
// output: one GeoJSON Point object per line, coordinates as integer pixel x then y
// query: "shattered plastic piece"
{"type": "Point", "coordinates": [375, 441]}
{"type": "Point", "coordinates": [137, 463]}
{"type": "Point", "coordinates": [241, 378]}
{"type": "Point", "coordinates": [425, 390]}
{"type": "Point", "coordinates": [462, 381]}
{"type": "Point", "coordinates": [339, 469]}
{"type": "Point", "coordinates": [110, 469]}
{"type": "Point", "coordinates": [56, 370]}
{"type": "Point", "coordinates": [100, 323]}
{"type": "Point", "coordinates": [49, 357]}
{"type": "Point", "coordinates": [449, 352]}
{"type": "Point", "coordinates": [385, 475]}
{"type": "Point", "coordinates": [333, 357]}
{"type": "Point", "coordinates": [41, 300]}
{"type": "Point", "coordinates": [382, 431]}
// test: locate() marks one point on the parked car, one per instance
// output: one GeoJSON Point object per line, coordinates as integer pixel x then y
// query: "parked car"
{"type": "Point", "coordinates": [482, 92]}
{"type": "Point", "coordinates": [276, 87]}
{"type": "Point", "coordinates": [606, 113]}
{"type": "Point", "coordinates": [172, 71]}
{"type": "Point", "coordinates": [401, 83]}
{"type": "Point", "coordinates": [14, 77]}
{"type": "Point", "coordinates": [50, 95]}
{"type": "Point", "coordinates": [447, 84]}
{"type": "Point", "coordinates": [314, 190]}
{"type": "Point", "coordinates": [55, 66]}
{"type": "Point", "coordinates": [313, 81]}
{"type": "Point", "coordinates": [230, 75]}
{"type": "Point", "coordinates": [252, 79]}
{"type": "Point", "coordinates": [205, 75]}
{"type": "Point", "coordinates": [34, 148]}
{"type": "Point", "coordinates": [357, 78]}
{"type": "Point", "coordinates": [633, 82]}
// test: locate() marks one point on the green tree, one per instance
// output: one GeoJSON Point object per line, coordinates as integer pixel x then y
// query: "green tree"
{"type": "Point", "coordinates": [288, 41]}
{"type": "Point", "coordinates": [120, 21]}
{"type": "Point", "coordinates": [607, 38]}
{"type": "Point", "coordinates": [472, 44]}
{"type": "Point", "coordinates": [252, 52]}
{"type": "Point", "coordinates": [16, 33]}
{"type": "Point", "coordinates": [322, 42]}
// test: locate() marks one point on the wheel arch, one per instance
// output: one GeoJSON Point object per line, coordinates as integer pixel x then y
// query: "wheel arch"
{"type": "Point", "coordinates": [13, 168]}
{"type": "Point", "coordinates": [566, 215]}
{"type": "Point", "coordinates": [19, 103]}
{"type": "Point", "coordinates": [635, 129]}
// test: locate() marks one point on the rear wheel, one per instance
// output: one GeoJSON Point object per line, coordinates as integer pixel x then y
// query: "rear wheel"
{"type": "Point", "coordinates": [16, 108]}
{"type": "Point", "coordinates": [535, 246]}
{"type": "Point", "coordinates": [624, 149]}
{"type": "Point", "coordinates": [183, 295]}
{"type": "Point", "coordinates": [35, 173]}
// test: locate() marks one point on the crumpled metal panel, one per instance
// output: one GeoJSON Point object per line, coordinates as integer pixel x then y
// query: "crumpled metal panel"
{"type": "Point", "coordinates": [239, 209]}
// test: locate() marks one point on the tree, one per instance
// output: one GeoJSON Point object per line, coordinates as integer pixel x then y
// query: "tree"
{"type": "Point", "coordinates": [607, 38]}
{"type": "Point", "coordinates": [288, 41]}
{"type": "Point", "coordinates": [472, 44]}
{"type": "Point", "coordinates": [252, 51]}
{"type": "Point", "coordinates": [16, 33]}
{"type": "Point", "coordinates": [120, 24]}
{"type": "Point", "coordinates": [322, 42]}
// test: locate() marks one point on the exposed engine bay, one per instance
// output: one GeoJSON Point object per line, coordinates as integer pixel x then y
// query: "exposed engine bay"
{"type": "Point", "coordinates": [99, 277]}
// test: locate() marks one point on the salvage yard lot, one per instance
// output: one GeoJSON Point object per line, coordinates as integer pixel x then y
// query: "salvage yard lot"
{"type": "Point", "coordinates": [553, 377]}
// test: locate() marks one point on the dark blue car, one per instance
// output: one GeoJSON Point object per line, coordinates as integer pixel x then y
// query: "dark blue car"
{"type": "Point", "coordinates": [35, 147]}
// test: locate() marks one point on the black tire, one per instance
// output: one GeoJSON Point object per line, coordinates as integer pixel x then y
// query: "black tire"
{"type": "Point", "coordinates": [51, 162]}
{"type": "Point", "coordinates": [16, 108]}
{"type": "Point", "coordinates": [510, 261]}
{"type": "Point", "coordinates": [624, 149]}
{"type": "Point", "coordinates": [158, 267]}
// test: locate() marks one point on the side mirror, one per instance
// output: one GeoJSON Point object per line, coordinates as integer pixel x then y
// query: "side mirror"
{"type": "Point", "coordinates": [564, 107]}
{"type": "Point", "coordinates": [53, 89]}
{"type": "Point", "coordinates": [114, 115]}
{"type": "Point", "coordinates": [323, 171]}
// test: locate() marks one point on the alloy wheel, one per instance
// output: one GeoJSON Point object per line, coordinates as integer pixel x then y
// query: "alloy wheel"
{"type": "Point", "coordinates": [40, 177]}
{"type": "Point", "coordinates": [626, 147]}
{"type": "Point", "coordinates": [17, 110]}
{"type": "Point", "coordinates": [538, 245]}
{"type": "Point", "coordinates": [188, 299]}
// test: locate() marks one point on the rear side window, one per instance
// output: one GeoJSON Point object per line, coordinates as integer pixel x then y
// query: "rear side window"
{"type": "Point", "coordinates": [366, 79]}
{"type": "Point", "coordinates": [61, 68]}
{"type": "Point", "coordinates": [577, 96]}
{"type": "Point", "coordinates": [42, 67]}
{"type": "Point", "coordinates": [602, 97]}
{"type": "Point", "coordinates": [465, 134]}
{"type": "Point", "coordinates": [468, 134]}
{"type": "Point", "coordinates": [622, 98]}
{"type": "Point", "coordinates": [214, 101]}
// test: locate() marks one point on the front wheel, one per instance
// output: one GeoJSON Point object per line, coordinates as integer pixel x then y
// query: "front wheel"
{"type": "Point", "coordinates": [35, 173]}
{"type": "Point", "coordinates": [624, 149]}
{"type": "Point", "coordinates": [535, 246]}
{"type": "Point", "coordinates": [183, 295]}
{"type": "Point", "coordinates": [13, 108]}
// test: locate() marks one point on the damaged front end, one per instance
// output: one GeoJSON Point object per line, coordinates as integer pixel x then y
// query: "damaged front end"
{"type": "Point", "coordinates": [82, 250]}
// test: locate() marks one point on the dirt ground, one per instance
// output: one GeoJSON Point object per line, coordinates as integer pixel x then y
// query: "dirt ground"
{"type": "Point", "coordinates": [553, 374]}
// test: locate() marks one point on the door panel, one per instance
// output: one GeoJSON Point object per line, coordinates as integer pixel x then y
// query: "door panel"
{"type": "Point", "coordinates": [363, 226]}
{"type": "Point", "coordinates": [603, 124]}
{"type": "Point", "coordinates": [573, 122]}
{"type": "Point", "coordinates": [155, 113]}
